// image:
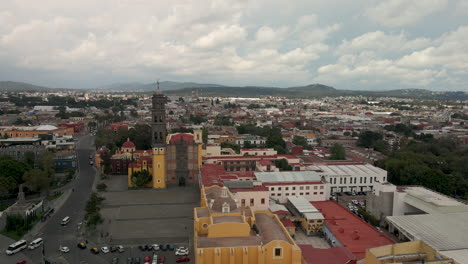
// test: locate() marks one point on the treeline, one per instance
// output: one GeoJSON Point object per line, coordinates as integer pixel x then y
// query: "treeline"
{"type": "Point", "coordinates": [438, 164]}
{"type": "Point", "coordinates": [274, 137]}
{"type": "Point", "coordinates": [113, 140]}
{"type": "Point", "coordinates": [21, 100]}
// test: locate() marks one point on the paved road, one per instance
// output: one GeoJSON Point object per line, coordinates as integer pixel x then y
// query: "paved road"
{"type": "Point", "coordinates": [53, 233]}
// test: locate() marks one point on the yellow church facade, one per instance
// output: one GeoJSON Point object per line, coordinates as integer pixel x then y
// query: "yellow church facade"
{"type": "Point", "coordinates": [225, 233]}
{"type": "Point", "coordinates": [164, 161]}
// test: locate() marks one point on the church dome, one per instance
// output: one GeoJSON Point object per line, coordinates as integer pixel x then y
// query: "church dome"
{"type": "Point", "coordinates": [128, 144]}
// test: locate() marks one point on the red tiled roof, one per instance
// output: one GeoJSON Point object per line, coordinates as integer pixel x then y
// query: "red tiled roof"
{"type": "Point", "coordinates": [128, 144]}
{"type": "Point", "coordinates": [260, 188]}
{"type": "Point", "coordinates": [286, 222]}
{"type": "Point", "coordinates": [181, 136]}
{"type": "Point", "coordinates": [353, 232]}
{"type": "Point", "coordinates": [334, 255]}
{"type": "Point", "coordinates": [281, 212]}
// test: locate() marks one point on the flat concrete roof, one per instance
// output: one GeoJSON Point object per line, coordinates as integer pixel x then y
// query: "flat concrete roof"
{"type": "Point", "coordinates": [288, 176]}
{"type": "Point", "coordinates": [440, 231]}
{"type": "Point", "coordinates": [431, 202]}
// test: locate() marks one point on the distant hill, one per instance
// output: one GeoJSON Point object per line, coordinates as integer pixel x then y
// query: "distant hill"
{"type": "Point", "coordinates": [186, 88]}
{"type": "Point", "coordinates": [22, 87]}
{"type": "Point", "coordinates": [164, 86]}
{"type": "Point", "coordinates": [316, 91]}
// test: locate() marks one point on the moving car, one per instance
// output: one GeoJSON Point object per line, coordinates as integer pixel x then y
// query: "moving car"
{"type": "Point", "coordinates": [64, 249]}
{"type": "Point", "coordinates": [35, 243]}
{"type": "Point", "coordinates": [182, 259]}
{"type": "Point", "coordinates": [105, 250]}
{"type": "Point", "coordinates": [91, 162]}
{"type": "Point", "coordinates": [94, 250]}
{"type": "Point", "coordinates": [81, 245]}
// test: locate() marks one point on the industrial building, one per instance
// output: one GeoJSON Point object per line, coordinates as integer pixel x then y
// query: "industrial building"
{"type": "Point", "coordinates": [308, 217]}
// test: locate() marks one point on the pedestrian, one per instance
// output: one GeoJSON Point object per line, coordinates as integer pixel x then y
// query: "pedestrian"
{"type": "Point", "coordinates": [86, 241]}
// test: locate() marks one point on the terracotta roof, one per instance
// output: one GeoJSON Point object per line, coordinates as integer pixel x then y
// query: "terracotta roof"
{"type": "Point", "coordinates": [350, 230]}
{"type": "Point", "coordinates": [286, 222]}
{"type": "Point", "coordinates": [128, 144]}
{"type": "Point", "coordinates": [334, 255]}
{"type": "Point", "coordinates": [181, 136]}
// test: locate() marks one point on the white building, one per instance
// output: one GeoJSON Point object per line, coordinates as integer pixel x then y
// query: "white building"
{"type": "Point", "coordinates": [350, 177]}
{"type": "Point", "coordinates": [284, 184]}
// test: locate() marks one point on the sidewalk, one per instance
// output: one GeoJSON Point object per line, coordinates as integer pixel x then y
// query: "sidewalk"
{"type": "Point", "coordinates": [56, 204]}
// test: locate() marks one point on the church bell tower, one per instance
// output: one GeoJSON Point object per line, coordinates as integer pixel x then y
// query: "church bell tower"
{"type": "Point", "coordinates": [158, 140]}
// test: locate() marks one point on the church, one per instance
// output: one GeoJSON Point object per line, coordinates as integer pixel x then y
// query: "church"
{"type": "Point", "coordinates": [174, 160]}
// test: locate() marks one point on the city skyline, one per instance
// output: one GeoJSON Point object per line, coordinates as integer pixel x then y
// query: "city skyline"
{"type": "Point", "coordinates": [380, 46]}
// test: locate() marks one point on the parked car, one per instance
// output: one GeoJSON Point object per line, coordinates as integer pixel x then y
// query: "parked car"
{"type": "Point", "coordinates": [155, 247]}
{"type": "Point", "coordinates": [21, 262]}
{"type": "Point", "coordinates": [181, 251]}
{"type": "Point", "coordinates": [64, 249]}
{"type": "Point", "coordinates": [162, 260]}
{"type": "Point", "coordinates": [94, 250]}
{"type": "Point", "coordinates": [182, 259]}
{"type": "Point", "coordinates": [162, 247]}
{"type": "Point", "coordinates": [105, 250]}
{"type": "Point", "coordinates": [113, 249]}
{"type": "Point", "coordinates": [120, 248]}
{"type": "Point", "coordinates": [91, 163]}
{"type": "Point", "coordinates": [129, 260]}
{"type": "Point", "coordinates": [148, 247]}
{"type": "Point", "coordinates": [170, 247]}
{"type": "Point", "coordinates": [142, 247]}
{"type": "Point", "coordinates": [115, 260]}
{"type": "Point", "coordinates": [81, 245]}
{"type": "Point", "coordinates": [137, 260]}
{"type": "Point", "coordinates": [147, 260]}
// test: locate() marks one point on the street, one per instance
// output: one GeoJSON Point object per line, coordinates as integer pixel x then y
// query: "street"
{"type": "Point", "coordinates": [53, 233]}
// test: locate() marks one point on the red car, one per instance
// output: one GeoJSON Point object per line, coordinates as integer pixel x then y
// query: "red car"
{"type": "Point", "coordinates": [182, 259]}
{"type": "Point", "coordinates": [162, 260]}
{"type": "Point", "coordinates": [21, 262]}
{"type": "Point", "coordinates": [147, 259]}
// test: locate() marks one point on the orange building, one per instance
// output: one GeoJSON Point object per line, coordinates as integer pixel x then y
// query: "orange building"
{"type": "Point", "coordinates": [35, 131]}
{"type": "Point", "coordinates": [225, 232]}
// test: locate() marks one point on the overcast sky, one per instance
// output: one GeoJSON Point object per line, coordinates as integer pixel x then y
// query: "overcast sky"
{"type": "Point", "coordinates": [355, 44]}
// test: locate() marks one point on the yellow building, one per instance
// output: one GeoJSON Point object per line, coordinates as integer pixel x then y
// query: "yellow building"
{"type": "Point", "coordinates": [225, 233]}
{"type": "Point", "coordinates": [408, 252]}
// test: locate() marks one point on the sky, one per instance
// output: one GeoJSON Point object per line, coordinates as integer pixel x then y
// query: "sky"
{"type": "Point", "coordinates": [347, 44]}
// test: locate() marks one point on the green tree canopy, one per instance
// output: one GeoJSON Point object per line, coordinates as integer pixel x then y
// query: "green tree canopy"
{"type": "Point", "coordinates": [337, 152]}
{"type": "Point", "coordinates": [141, 178]}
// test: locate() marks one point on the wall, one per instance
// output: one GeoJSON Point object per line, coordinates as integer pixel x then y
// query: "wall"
{"type": "Point", "coordinates": [315, 192]}
{"type": "Point", "coordinates": [257, 196]}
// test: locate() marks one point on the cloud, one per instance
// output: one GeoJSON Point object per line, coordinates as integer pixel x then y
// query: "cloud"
{"type": "Point", "coordinates": [382, 42]}
{"type": "Point", "coordinates": [397, 13]}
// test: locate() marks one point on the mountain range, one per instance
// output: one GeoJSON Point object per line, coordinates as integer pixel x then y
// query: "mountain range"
{"type": "Point", "coordinates": [187, 88]}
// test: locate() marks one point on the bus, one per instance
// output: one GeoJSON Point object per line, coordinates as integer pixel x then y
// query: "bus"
{"type": "Point", "coordinates": [36, 243]}
{"type": "Point", "coordinates": [16, 247]}
{"type": "Point", "coordinates": [66, 220]}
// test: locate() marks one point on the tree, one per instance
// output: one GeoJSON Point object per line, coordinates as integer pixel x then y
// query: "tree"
{"type": "Point", "coordinates": [29, 158]}
{"type": "Point", "coordinates": [47, 164]}
{"type": "Point", "coordinates": [205, 135]}
{"type": "Point", "coordinates": [300, 141]}
{"type": "Point", "coordinates": [106, 161]}
{"type": "Point", "coordinates": [283, 165]}
{"type": "Point", "coordinates": [141, 178]}
{"type": "Point", "coordinates": [217, 101]}
{"type": "Point", "coordinates": [12, 168]}
{"type": "Point", "coordinates": [223, 121]}
{"type": "Point", "coordinates": [381, 146]}
{"type": "Point", "coordinates": [367, 138]}
{"type": "Point", "coordinates": [197, 119]}
{"type": "Point", "coordinates": [101, 187]}
{"type": "Point", "coordinates": [337, 152]}
{"type": "Point", "coordinates": [37, 179]}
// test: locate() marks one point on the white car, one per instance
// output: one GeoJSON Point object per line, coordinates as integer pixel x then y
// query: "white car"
{"type": "Point", "coordinates": [64, 249]}
{"type": "Point", "coordinates": [120, 248]}
{"type": "Point", "coordinates": [155, 247]}
{"type": "Point", "coordinates": [105, 250]}
{"type": "Point", "coordinates": [182, 251]}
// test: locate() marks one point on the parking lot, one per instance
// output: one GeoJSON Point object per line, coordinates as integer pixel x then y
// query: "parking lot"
{"type": "Point", "coordinates": [145, 217]}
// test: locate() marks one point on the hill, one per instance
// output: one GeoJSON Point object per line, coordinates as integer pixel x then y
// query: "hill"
{"type": "Point", "coordinates": [10, 86]}
{"type": "Point", "coordinates": [164, 86]}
